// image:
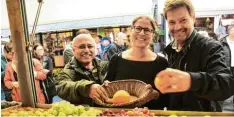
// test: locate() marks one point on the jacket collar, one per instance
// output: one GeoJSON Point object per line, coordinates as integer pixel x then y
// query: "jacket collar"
{"type": "Point", "coordinates": [79, 67]}
{"type": "Point", "coordinates": [224, 39]}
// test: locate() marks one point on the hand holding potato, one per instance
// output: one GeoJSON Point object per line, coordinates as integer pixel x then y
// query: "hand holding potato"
{"type": "Point", "coordinates": [172, 81]}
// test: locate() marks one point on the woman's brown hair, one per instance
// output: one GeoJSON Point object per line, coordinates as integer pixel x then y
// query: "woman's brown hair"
{"type": "Point", "coordinates": [152, 21]}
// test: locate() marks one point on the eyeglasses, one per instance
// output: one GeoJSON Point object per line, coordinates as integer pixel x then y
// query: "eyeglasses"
{"type": "Point", "coordinates": [84, 46]}
{"type": "Point", "coordinates": [138, 29]}
{"type": "Point", "coordinates": [11, 53]}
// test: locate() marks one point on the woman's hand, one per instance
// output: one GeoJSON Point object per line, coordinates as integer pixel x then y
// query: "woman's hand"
{"type": "Point", "coordinates": [15, 84]}
{"type": "Point", "coordinates": [46, 71]}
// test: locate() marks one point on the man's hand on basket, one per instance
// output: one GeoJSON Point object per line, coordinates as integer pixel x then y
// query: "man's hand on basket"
{"type": "Point", "coordinates": [106, 82]}
{"type": "Point", "coordinates": [98, 92]}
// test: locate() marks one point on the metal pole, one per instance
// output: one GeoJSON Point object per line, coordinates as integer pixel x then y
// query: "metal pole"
{"type": "Point", "coordinates": [36, 20]}
{"type": "Point", "coordinates": [19, 34]}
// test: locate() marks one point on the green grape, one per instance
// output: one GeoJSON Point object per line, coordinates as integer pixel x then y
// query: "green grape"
{"type": "Point", "coordinates": [68, 111]}
{"type": "Point", "coordinates": [79, 110]}
{"type": "Point", "coordinates": [22, 113]}
{"type": "Point", "coordinates": [46, 113]}
{"type": "Point", "coordinates": [38, 113]}
{"type": "Point", "coordinates": [54, 112]}
{"type": "Point", "coordinates": [84, 114]}
{"type": "Point", "coordinates": [61, 114]}
{"type": "Point", "coordinates": [13, 115]}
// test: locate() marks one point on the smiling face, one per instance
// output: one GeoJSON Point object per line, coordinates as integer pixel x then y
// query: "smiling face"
{"type": "Point", "coordinates": [84, 48]}
{"type": "Point", "coordinates": [180, 23]}
{"type": "Point", "coordinates": [142, 33]}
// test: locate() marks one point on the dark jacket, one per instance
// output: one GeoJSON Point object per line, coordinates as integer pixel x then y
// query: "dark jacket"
{"type": "Point", "coordinates": [74, 81]}
{"type": "Point", "coordinates": [211, 79]}
{"type": "Point", "coordinates": [227, 50]}
{"type": "Point", "coordinates": [48, 85]}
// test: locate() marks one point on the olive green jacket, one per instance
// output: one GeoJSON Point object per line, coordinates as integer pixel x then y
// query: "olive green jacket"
{"type": "Point", "coordinates": [74, 81]}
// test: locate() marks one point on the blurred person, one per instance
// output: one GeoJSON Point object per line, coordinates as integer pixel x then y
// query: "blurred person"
{"type": "Point", "coordinates": [48, 84]}
{"type": "Point", "coordinates": [198, 75]}
{"type": "Point", "coordinates": [80, 80]}
{"type": "Point", "coordinates": [128, 42]}
{"type": "Point", "coordinates": [11, 80]}
{"type": "Point", "coordinates": [228, 46]}
{"type": "Point", "coordinates": [159, 46]}
{"type": "Point", "coordinates": [98, 46]}
{"type": "Point", "coordinates": [5, 58]}
{"type": "Point", "coordinates": [114, 48]}
{"type": "Point", "coordinates": [105, 45]}
{"type": "Point", "coordinates": [221, 30]}
{"type": "Point", "coordinates": [139, 62]}
{"type": "Point", "coordinates": [67, 53]}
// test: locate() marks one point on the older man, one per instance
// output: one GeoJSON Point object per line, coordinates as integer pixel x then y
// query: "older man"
{"type": "Point", "coordinates": [198, 75]}
{"type": "Point", "coordinates": [67, 53]}
{"type": "Point", "coordinates": [228, 45]}
{"type": "Point", "coordinates": [80, 80]}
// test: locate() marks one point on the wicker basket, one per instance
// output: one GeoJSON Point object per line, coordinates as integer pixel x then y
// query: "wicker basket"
{"type": "Point", "coordinates": [133, 87]}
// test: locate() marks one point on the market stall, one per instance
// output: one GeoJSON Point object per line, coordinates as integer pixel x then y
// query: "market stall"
{"type": "Point", "coordinates": [29, 105]}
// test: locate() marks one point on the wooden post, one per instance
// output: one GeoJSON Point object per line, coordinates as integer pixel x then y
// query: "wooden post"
{"type": "Point", "coordinates": [18, 34]}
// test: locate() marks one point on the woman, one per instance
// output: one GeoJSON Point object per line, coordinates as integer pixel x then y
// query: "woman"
{"type": "Point", "coordinates": [139, 62]}
{"type": "Point", "coordinates": [11, 80]}
{"type": "Point", "coordinates": [48, 84]}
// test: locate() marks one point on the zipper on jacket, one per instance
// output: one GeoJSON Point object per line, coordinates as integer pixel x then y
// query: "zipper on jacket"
{"type": "Point", "coordinates": [199, 103]}
{"type": "Point", "coordinates": [181, 60]}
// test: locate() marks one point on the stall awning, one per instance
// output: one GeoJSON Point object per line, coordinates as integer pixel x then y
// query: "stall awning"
{"type": "Point", "coordinates": [87, 23]}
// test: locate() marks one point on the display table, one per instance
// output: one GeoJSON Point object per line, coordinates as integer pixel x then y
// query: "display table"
{"type": "Point", "coordinates": [47, 107]}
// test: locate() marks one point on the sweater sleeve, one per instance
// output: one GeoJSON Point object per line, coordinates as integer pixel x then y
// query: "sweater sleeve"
{"type": "Point", "coordinates": [7, 79]}
{"type": "Point", "coordinates": [41, 75]}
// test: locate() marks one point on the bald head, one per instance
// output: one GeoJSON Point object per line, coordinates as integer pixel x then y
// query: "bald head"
{"type": "Point", "coordinates": [84, 48]}
{"type": "Point", "coordinates": [83, 37]}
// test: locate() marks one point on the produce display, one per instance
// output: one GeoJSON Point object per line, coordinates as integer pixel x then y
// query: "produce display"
{"type": "Point", "coordinates": [64, 108]}
{"type": "Point", "coordinates": [6, 104]}
{"type": "Point", "coordinates": [135, 112]}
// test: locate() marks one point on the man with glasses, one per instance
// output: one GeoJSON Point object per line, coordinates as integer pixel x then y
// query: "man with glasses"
{"type": "Point", "coordinates": [5, 58]}
{"type": "Point", "coordinates": [81, 79]}
{"type": "Point", "coordinates": [67, 53]}
{"type": "Point", "coordinates": [199, 74]}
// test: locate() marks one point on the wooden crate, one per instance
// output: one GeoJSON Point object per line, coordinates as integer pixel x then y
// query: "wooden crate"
{"type": "Point", "coordinates": [59, 61]}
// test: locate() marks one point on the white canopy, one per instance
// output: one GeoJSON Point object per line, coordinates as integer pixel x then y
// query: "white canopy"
{"type": "Point", "coordinates": [69, 10]}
